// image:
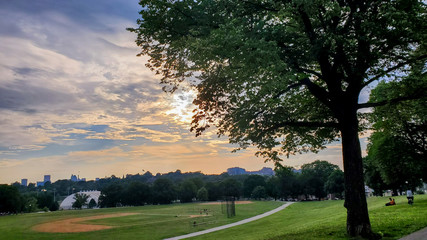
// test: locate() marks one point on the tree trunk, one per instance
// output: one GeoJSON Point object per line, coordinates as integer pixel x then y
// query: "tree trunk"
{"type": "Point", "coordinates": [358, 223]}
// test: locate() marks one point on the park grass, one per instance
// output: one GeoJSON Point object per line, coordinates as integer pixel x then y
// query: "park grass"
{"type": "Point", "coordinates": [149, 222]}
{"type": "Point", "coordinates": [327, 220]}
{"type": "Point", "coordinates": [302, 220]}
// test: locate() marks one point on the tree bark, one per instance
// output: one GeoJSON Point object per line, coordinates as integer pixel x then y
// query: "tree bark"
{"type": "Point", "coordinates": [358, 223]}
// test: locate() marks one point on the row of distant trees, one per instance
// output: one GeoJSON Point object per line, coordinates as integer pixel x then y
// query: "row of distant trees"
{"type": "Point", "coordinates": [13, 201]}
{"type": "Point", "coordinates": [316, 179]}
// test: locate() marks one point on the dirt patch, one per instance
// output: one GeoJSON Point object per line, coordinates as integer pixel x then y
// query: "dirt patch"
{"type": "Point", "coordinates": [218, 203]}
{"type": "Point", "coordinates": [73, 225]}
{"type": "Point", "coordinates": [196, 216]}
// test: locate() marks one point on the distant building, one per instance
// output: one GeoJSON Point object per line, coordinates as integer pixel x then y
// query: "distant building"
{"type": "Point", "coordinates": [75, 178]}
{"type": "Point", "coordinates": [236, 171]}
{"type": "Point", "coordinates": [265, 171]}
{"type": "Point", "coordinates": [24, 182]}
{"type": "Point", "coordinates": [40, 184]}
{"type": "Point", "coordinates": [369, 192]}
{"type": "Point", "coordinates": [97, 179]}
{"type": "Point", "coordinates": [67, 203]}
{"type": "Point", "coordinates": [46, 178]}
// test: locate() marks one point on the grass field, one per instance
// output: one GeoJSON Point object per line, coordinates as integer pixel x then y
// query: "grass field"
{"type": "Point", "coordinates": [304, 220]}
{"type": "Point", "coordinates": [327, 220]}
{"type": "Point", "coordinates": [148, 222]}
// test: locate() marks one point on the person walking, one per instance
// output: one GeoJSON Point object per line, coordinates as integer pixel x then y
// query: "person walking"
{"type": "Point", "coordinates": [410, 197]}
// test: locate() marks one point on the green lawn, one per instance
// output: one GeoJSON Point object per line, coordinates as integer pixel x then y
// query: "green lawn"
{"type": "Point", "coordinates": [149, 222]}
{"type": "Point", "coordinates": [303, 220]}
{"type": "Point", "coordinates": [327, 220]}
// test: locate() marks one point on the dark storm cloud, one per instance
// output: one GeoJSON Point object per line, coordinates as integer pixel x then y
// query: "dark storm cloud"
{"type": "Point", "coordinates": [20, 96]}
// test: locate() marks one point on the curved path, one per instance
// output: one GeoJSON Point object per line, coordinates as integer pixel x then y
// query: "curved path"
{"type": "Point", "coordinates": [232, 224]}
{"type": "Point", "coordinates": [418, 235]}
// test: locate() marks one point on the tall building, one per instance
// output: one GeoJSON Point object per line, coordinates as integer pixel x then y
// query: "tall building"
{"type": "Point", "coordinates": [24, 182]}
{"type": "Point", "coordinates": [46, 178]}
{"type": "Point", "coordinates": [73, 178]}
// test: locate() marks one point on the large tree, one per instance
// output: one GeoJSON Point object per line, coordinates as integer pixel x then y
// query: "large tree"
{"type": "Point", "coordinates": [284, 76]}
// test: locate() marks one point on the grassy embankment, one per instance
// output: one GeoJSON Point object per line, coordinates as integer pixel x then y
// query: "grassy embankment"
{"type": "Point", "coordinates": [327, 220]}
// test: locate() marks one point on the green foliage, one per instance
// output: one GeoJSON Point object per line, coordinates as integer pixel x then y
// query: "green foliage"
{"type": "Point", "coordinates": [314, 176]}
{"type": "Point", "coordinates": [80, 200]}
{"type": "Point", "coordinates": [395, 160]}
{"type": "Point", "coordinates": [259, 193]}
{"type": "Point", "coordinates": [111, 196]}
{"type": "Point", "coordinates": [136, 194]}
{"type": "Point", "coordinates": [10, 199]}
{"type": "Point", "coordinates": [288, 182]}
{"type": "Point", "coordinates": [214, 191]}
{"type": "Point", "coordinates": [272, 187]}
{"type": "Point", "coordinates": [335, 183]}
{"type": "Point", "coordinates": [92, 203]}
{"type": "Point", "coordinates": [163, 191]}
{"type": "Point", "coordinates": [30, 203]}
{"type": "Point", "coordinates": [231, 188]}
{"type": "Point", "coordinates": [187, 191]}
{"type": "Point", "coordinates": [202, 194]}
{"type": "Point", "coordinates": [251, 182]}
{"type": "Point", "coordinates": [46, 200]}
{"type": "Point", "coordinates": [398, 145]}
{"type": "Point", "coordinates": [277, 73]}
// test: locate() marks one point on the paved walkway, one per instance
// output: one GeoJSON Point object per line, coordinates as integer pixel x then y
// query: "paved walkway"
{"type": "Point", "coordinates": [232, 224]}
{"type": "Point", "coordinates": [418, 235]}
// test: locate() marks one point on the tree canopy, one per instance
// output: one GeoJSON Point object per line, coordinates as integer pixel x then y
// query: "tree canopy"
{"type": "Point", "coordinates": [284, 76]}
{"type": "Point", "coordinates": [398, 146]}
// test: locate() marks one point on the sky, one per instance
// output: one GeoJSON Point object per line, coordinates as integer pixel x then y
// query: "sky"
{"type": "Point", "coordinates": [75, 99]}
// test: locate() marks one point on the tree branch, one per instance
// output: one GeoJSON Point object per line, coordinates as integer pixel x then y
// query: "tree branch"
{"type": "Point", "coordinates": [317, 91]}
{"type": "Point", "coordinates": [307, 24]}
{"type": "Point", "coordinates": [295, 85]}
{"type": "Point", "coordinates": [376, 77]}
{"type": "Point", "coordinates": [305, 124]}
{"type": "Point", "coordinates": [393, 101]}
{"type": "Point", "coordinates": [319, 75]}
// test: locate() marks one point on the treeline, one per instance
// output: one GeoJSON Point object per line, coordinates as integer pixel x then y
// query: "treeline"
{"type": "Point", "coordinates": [314, 181]}
{"type": "Point", "coordinates": [13, 201]}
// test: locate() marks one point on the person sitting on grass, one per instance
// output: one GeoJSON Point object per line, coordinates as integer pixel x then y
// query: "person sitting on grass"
{"type": "Point", "coordinates": [392, 202]}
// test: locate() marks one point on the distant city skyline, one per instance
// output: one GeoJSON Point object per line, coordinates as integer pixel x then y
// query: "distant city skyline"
{"type": "Point", "coordinates": [75, 178]}
{"type": "Point", "coordinates": [75, 98]}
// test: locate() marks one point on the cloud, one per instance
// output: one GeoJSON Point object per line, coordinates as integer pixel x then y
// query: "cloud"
{"type": "Point", "coordinates": [59, 71]}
